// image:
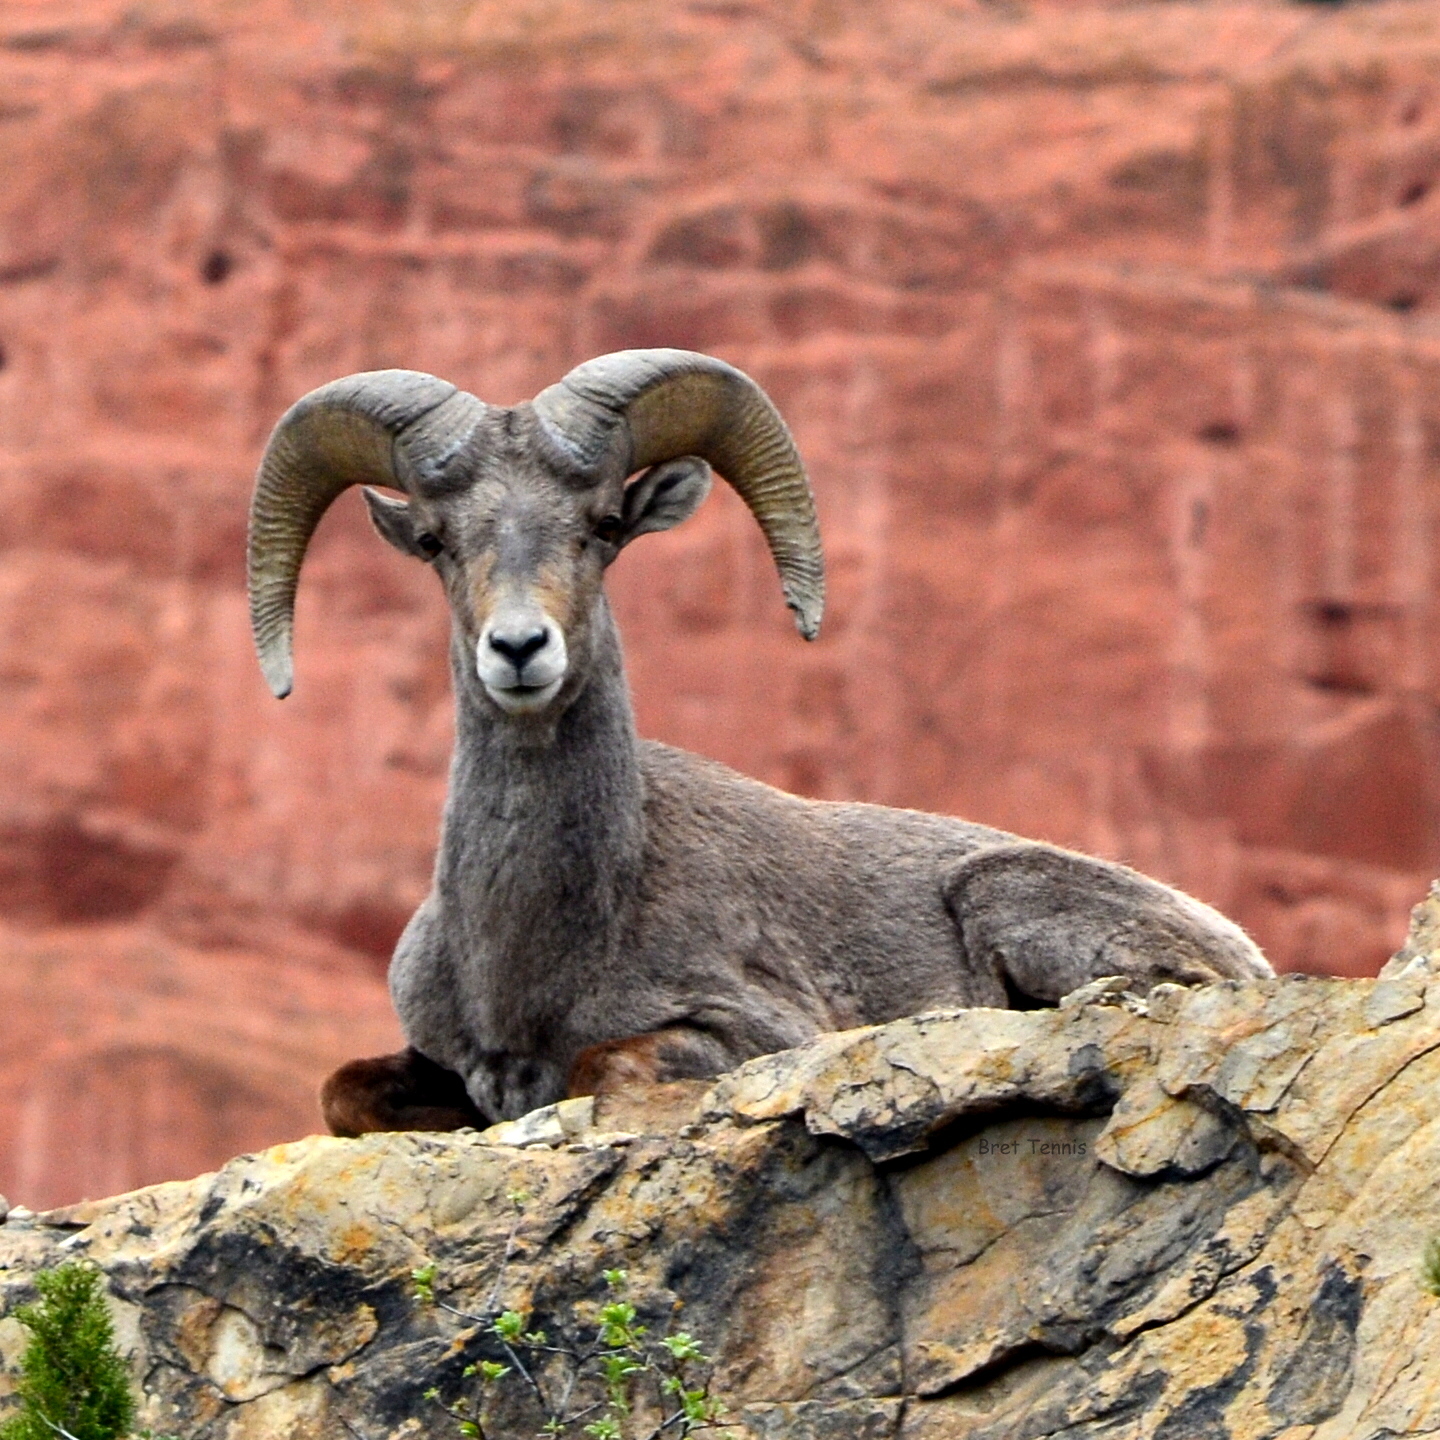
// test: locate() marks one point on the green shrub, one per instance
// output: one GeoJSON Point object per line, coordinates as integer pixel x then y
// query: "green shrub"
{"type": "Point", "coordinates": [73, 1382]}
{"type": "Point", "coordinates": [1430, 1266]}
{"type": "Point", "coordinates": [589, 1390]}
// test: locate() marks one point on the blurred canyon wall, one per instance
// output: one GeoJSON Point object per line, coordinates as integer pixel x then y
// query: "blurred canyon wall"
{"type": "Point", "coordinates": [1108, 335]}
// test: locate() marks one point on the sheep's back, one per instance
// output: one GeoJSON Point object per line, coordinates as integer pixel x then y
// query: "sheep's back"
{"type": "Point", "coordinates": [833, 912]}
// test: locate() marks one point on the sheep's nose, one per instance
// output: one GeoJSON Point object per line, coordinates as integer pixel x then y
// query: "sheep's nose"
{"type": "Point", "coordinates": [521, 660]}
{"type": "Point", "coordinates": [518, 648]}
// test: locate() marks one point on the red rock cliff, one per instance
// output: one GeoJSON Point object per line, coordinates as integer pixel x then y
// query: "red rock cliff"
{"type": "Point", "coordinates": [1105, 332]}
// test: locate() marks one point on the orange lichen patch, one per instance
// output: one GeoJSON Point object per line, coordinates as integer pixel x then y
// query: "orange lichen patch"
{"type": "Point", "coordinates": [656, 1109]}
{"type": "Point", "coordinates": [355, 1242]}
{"type": "Point", "coordinates": [461, 1342]}
{"type": "Point", "coordinates": [192, 1330]}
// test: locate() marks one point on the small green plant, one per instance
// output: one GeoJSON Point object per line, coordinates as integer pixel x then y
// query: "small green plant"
{"type": "Point", "coordinates": [73, 1381]}
{"type": "Point", "coordinates": [593, 1390]}
{"type": "Point", "coordinates": [1430, 1266]}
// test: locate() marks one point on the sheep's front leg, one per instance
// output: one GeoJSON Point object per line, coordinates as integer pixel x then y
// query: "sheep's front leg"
{"type": "Point", "coordinates": [678, 1052]}
{"type": "Point", "coordinates": [404, 1091]}
{"type": "Point", "coordinates": [1046, 921]}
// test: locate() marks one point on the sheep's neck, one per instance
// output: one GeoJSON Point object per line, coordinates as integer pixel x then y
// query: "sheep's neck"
{"type": "Point", "coordinates": [542, 841]}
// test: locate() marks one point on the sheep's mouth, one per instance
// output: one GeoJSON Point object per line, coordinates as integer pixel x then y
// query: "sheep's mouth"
{"type": "Point", "coordinates": [524, 699]}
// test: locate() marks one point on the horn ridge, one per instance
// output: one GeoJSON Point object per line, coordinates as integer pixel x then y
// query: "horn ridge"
{"type": "Point", "coordinates": [640, 407]}
{"type": "Point", "coordinates": [342, 434]}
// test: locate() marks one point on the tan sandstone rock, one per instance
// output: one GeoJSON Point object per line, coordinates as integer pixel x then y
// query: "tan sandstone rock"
{"type": "Point", "coordinates": [1201, 1214]}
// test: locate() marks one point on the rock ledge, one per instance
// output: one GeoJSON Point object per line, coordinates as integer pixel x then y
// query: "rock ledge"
{"type": "Point", "coordinates": [1198, 1215]}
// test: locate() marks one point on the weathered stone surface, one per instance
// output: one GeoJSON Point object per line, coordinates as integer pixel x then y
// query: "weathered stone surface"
{"type": "Point", "coordinates": [889, 1089]}
{"type": "Point", "coordinates": [1198, 1215]}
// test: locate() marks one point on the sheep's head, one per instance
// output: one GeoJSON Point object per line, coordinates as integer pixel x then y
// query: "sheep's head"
{"type": "Point", "coordinates": [522, 509]}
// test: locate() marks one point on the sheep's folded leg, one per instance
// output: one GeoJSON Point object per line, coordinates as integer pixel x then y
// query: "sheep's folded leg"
{"type": "Point", "coordinates": [678, 1052]}
{"type": "Point", "coordinates": [1047, 921]}
{"type": "Point", "coordinates": [404, 1091]}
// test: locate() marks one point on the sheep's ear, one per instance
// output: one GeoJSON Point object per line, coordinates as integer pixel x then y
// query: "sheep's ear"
{"type": "Point", "coordinates": [393, 520]}
{"type": "Point", "coordinates": [663, 496]}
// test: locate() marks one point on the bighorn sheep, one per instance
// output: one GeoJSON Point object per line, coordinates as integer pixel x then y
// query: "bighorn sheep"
{"type": "Point", "coordinates": [606, 908]}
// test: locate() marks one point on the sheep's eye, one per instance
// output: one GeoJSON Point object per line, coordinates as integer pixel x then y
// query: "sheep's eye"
{"type": "Point", "coordinates": [609, 528]}
{"type": "Point", "coordinates": [429, 544]}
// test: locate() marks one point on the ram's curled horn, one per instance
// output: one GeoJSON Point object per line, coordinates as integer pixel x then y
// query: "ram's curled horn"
{"type": "Point", "coordinates": [342, 434]}
{"type": "Point", "coordinates": [668, 403]}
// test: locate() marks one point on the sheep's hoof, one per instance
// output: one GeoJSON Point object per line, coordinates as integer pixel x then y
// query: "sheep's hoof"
{"type": "Point", "coordinates": [678, 1052]}
{"type": "Point", "coordinates": [404, 1091]}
